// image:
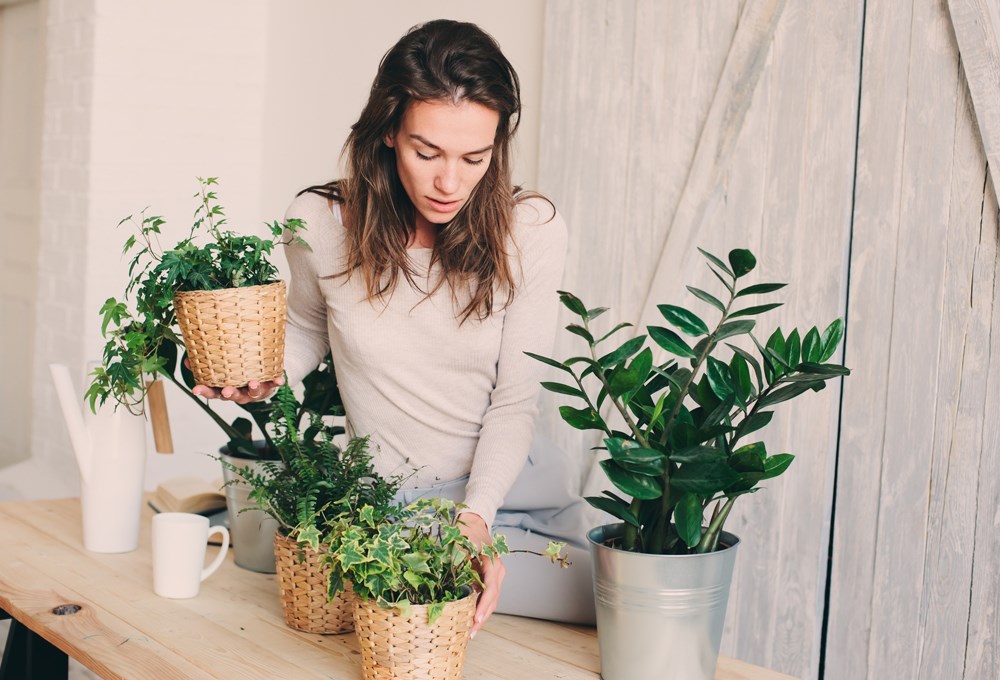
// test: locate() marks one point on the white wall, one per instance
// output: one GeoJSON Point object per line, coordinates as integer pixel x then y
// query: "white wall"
{"type": "Point", "coordinates": [260, 94]}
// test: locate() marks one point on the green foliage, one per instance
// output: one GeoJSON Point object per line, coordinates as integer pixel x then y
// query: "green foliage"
{"type": "Point", "coordinates": [316, 482]}
{"type": "Point", "coordinates": [143, 341]}
{"type": "Point", "coordinates": [415, 555]}
{"type": "Point", "coordinates": [686, 417]}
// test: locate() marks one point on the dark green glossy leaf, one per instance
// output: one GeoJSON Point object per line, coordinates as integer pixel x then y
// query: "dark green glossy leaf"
{"type": "Point", "coordinates": [636, 485]}
{"type": "Point", "coordinates": [750, 359]}
{"type": "Point", "coordinates": [756, 422]}
{"type": "Point", "coordinates": [760, 288]}
{"type": "Point", "coordinates": [619, 509]}
{"type": "Point", "coordinates": [719, 378]}
{"type": "Point", "coordinates": [670, 341]}
{"type": "Point", "coordinates": [581, 418]}
{"type": "Point", "coordinates": [700, 453]}
{"type": "Point", "coordinates": [758, 309]}
{"type": "Point", "coordinates": [688, 518]}
{"type": "Point", "coordinates": [742, 261]}
{"type": "Point", "coordinates": [716, 261]}
{"type": "Point", "coordinates": [823, 369]}
{"type": "Point", "coordinates": [626, 350]}
{"type": "Point", "coordinates": [634, 375]}
{"type": "Point", "coordinates": [792, 347]}
{"type": "Point", "coordinates": [707, 297]}
{"type": "Point", "coordinates": [573, 303]}
{"type": "Point", "coordinates": [559, 388]}
{"type": "Point", "coordinates": [740, 373]}
{"type": "Point", "coordinates": [719, 276]}
{"type": "Point", "coordinates": [788, 392]}
{"type": "Point", "coordinates": [831, 339]}
{"type": "Point", "coordinates": [746, 461]}
{"type": "Point", "coordinates": [732, 328]}
{"type": "Point", "coordinates": [776, 343]}
{"type": "Point", "coordinates": [613, 331]}
{"type": "Point", "coordinates": [777, 464]}
{"type": "Point", "coordinates": [639, 460]}
{"type": "Point", "coordinates": [549, 362]}
{"type": "Point", "coordinates": [721, 411]}
{"type": "Point", "coordinates": [704, 478]}
{"type": "Point", "coordinates": [577, 329]}
{"type": "Point", "coordinates": [595, 312]}
{"type": "Point", "coordinates": [812, 346]}
{"type": "Point", "coordinates": [681, 318]}
{"type": "Point", "coordinates": [757, 449]}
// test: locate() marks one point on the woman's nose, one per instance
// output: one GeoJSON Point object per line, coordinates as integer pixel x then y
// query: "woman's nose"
{"type": "Point", "coordinates": [447, 179]}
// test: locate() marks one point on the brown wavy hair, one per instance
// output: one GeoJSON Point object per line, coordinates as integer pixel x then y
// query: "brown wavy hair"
{"type": "Point", "coordinates": [440, 60]}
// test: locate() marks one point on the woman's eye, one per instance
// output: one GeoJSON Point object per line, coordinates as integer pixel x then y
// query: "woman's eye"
{"type": "Point", "coordinates": [477, 161]}
{"type": "Point", "coordinates": [425, 158]}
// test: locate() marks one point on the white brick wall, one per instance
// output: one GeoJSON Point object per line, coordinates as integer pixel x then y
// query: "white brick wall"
{"type": "Point", "coordinates": [63, 239]}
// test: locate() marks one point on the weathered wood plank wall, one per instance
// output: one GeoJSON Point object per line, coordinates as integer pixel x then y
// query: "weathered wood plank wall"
{"type": "Point", "coordinates": [859, 171]}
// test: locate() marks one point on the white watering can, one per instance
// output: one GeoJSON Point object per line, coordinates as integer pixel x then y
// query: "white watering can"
{"type": "Point", "coordinates": [110, 450]}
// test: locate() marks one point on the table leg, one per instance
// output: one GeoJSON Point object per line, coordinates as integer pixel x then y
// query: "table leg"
{"type": "Point", "coordinates": [29, 656]}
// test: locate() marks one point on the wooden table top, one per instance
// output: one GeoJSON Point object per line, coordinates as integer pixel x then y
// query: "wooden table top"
{"type": "Point", "coordinates": [234, 628]}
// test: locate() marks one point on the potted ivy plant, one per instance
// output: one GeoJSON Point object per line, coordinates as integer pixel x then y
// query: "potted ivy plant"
{"type": "Point", "coordinates": [144, 340]}
{"type": "Point", "coordinates": [412, 572]}
{"type": "Point", "coordinates": [680, 455]}
{"type": "Point", "coordinates": [315, 484]}
{"type": "Point", "coordinates": [221, 297]}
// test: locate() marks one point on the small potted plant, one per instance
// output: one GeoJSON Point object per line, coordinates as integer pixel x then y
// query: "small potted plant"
{"type": "Point", "coordinates": [221, 296]}
{"type": "Point", "coordinates": [412, 571]}
{"type": "Point", "coordinates": [315, 484]}
{"type": "Point", "coordinates": [680, 457]}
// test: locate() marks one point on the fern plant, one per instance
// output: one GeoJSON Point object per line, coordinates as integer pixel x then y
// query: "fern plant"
{"type": "Point", "coordinates": [316, 482]}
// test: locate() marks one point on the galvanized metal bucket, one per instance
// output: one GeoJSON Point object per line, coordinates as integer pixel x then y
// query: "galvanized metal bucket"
{"type": "Point", "coordinates": [659, 617]}
{"type": "Point", "coordinates": [252, 530]}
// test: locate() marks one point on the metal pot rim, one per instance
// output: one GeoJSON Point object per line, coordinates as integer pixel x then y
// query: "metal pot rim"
{"type": "Point", "coordinates": [614, 530]}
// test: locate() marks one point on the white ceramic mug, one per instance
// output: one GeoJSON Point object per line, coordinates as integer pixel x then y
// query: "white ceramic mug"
{"type": "Point", "coordinates": [179, 542]}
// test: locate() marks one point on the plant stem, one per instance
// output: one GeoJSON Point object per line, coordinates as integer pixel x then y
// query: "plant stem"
{"type": "Point", "coordinates": [710, 540]}
{"type": "Point", "coordinates": [226, 427]}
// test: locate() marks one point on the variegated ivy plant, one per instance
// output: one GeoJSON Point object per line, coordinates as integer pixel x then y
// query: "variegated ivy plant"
{"type": "Point", "coordinates": [682, 455]}
{"type": "Point", "coordinates": [416, 555]}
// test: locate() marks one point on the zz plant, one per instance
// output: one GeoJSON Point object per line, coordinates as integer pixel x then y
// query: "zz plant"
{"type": "Point", "coordinates": [683, 452]}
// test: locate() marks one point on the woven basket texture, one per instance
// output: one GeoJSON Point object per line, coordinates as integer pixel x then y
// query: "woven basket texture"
{"type": "Point", "coordinates": [394, 647]}
{"type": "Point", "coordinates": [234, 335]}
{"type": "Point", "coordinates": [302, 581]}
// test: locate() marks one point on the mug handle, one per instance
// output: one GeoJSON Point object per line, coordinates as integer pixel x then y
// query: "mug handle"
{"type": "Point", "coordinates": [223, 549]}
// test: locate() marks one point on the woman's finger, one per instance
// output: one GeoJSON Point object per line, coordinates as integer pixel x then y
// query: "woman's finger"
{"type": "Point", "coordinates": [492, 573]}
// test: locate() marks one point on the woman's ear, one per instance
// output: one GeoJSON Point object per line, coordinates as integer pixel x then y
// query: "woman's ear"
{"type": "Point", "coordinates": [389, 141]}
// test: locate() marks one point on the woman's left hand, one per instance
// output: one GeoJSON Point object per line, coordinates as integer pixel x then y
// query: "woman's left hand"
{"type": "Point", "coordinates": [491, 570]}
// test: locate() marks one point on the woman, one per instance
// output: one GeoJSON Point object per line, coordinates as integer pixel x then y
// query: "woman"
{"type": "Point", "coordinates": [428, 275]}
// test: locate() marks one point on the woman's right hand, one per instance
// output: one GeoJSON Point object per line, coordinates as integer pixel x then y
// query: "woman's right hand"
{"type": "Point", "coordinates": [254, 391]}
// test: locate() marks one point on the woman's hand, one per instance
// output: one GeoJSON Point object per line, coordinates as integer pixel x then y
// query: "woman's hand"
{"type": "Point", "coordinates": [254, 391]}
{"type": "Point", "coordinates": [491, 570]}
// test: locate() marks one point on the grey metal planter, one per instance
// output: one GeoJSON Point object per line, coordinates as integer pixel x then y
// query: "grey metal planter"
{"type": "Point", "coordinates": [252, 529]}
{"type": "Point", "coordinates": [659, 617]}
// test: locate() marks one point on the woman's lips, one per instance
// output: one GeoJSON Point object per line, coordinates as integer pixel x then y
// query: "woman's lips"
{"type": "Point", "coordinates": [443, 206]}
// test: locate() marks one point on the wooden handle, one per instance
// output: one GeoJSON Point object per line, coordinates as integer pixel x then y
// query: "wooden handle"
{"type": "Point", "coordinates": [157, 402]}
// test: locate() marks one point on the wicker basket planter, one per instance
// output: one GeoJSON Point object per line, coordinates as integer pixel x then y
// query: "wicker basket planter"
{"type": "Point", "coordinates": [302, 580]}
{"type": "Point", "coordinates": [394, 647]}
{"type": "Point", "coordinates": [234, 335]}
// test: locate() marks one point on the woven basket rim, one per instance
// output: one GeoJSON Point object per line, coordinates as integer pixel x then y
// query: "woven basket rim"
{"type": "Point", "coordinates": [220, 291]}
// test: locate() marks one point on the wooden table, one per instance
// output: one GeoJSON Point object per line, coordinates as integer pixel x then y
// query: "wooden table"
{"type": "Point", "coordinates": [233, 629]}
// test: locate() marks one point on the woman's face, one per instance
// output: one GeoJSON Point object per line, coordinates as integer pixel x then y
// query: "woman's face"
{"type": "Point", "coordinates": [443, 149]}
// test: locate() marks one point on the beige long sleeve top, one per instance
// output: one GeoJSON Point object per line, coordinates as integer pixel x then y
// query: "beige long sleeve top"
{"type": "Point", "coordinates": [440, 400]}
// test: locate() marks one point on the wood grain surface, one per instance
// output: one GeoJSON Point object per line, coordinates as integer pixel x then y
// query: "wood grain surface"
{"type": "Point", "coordinates": [234, 627]}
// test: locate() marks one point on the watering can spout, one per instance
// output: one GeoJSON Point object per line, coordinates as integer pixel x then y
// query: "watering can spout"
{"type": "Point", "coordinates": [74, 419]}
